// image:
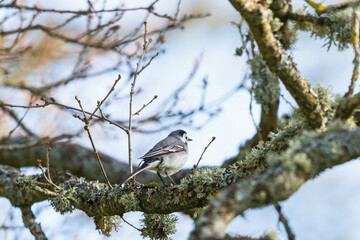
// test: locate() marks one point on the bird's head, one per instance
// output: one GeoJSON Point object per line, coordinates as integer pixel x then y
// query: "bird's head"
{"type": "Point", "coordinates": [180, 134]}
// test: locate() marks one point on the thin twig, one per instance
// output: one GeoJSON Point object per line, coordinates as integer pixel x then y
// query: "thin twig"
{"type": "Point", "coordinates": [258, 130]}
{"type": "Point", "coordinates": [145, 105]}
{"type": "Point", "coordinates": [46, 177]}
{"type": "Point", "coordinates": [152, 58]}
{"type": "Point", "coordinates": [287, 101]}
{"type": "Point", "coordinates": [51, 101]}
{"type": "Point", "coordinates": [283, 219]}
{"type": "Point", "coordinates": [3, 227]}
{"type": "Point", "coordinates": [19, 123]}
{"type": "Point", "coordinates": [87, 129]}
{"type": "Point", "coordinates": [136, 74]}
{"type": "Point", "coordinates": [107, 95]}
{"type": "Point", "coordinates": [48, 148]}
{"type": "Point", "coordinates": [80, 12]}
{"type": "Point", "coordinates": [197, 164]}
{"type": "Point", "coordinates": [177, 11]}
{"type": "Point", "coordinates": [131, 225]}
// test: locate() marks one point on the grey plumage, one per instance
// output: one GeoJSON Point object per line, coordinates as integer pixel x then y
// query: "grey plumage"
{"type": "Point", "coordinates": [167, 157]}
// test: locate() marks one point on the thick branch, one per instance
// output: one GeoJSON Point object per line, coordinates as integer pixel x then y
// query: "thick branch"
{"type": "Point", "coordinates": [259, 18]}
{"type": "Point", "coordinates": [306, 157]}
{"type": "Point", "coordinates": [310, 154]}
{"type": "Point", "coordinates": [269, 119]}
{"type": "Point", "coordinates": [78, 160]}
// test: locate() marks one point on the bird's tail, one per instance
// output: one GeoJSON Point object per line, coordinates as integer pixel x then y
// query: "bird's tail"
{"type": "Point", "coordinates": [137, 171]}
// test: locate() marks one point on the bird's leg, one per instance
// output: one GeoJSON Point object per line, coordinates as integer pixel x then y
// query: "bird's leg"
{"type": "Point", "coordinates": [170, 178]}
{"type": "Point", "coordinates": [161, 178]}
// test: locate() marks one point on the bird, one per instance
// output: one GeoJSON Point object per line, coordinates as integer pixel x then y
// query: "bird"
{"type": "Point", "coordinates": [166, 158]}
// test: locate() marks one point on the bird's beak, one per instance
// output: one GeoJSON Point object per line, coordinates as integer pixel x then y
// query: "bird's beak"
{"type": "Point", "coordinates": [189, 139]}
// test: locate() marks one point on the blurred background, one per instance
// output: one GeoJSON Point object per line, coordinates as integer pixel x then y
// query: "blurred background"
{"type": "Point", "coordinates": [202, 55]}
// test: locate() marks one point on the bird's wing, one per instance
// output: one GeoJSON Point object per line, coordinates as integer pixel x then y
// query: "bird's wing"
{"type": "Point", "coordinates": [163, 150]}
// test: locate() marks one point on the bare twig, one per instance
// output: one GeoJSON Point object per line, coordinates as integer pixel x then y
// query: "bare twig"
{"type": "Point", "coordinates": [47, 176]}
{"type": "Point", "coordinates": [197, 164]}
{"type": "Point", "coordinates": [147, 64]}
{"type": "Point", "coordinates": [112, 46]}
{"type": "Point", "coordinates": [136, 74]}
{"type": "Point", "coordinates": [131, 225]}
{"type": "Point", "coordinates": [87, 129]}
{"type": "Point", "coordinates": [177, 11]}
{"type": "Point", "coordinates": [177, 91]}
{"type": "Point", "coordinates": [145, 105]}
{"type": "Point", "coordinates": [48, 148]}
{"type": "Point", "coordinates": [19, 121]}
{"type": "Point", "coordinates": [17, 125]}
{"type": "Point", "coordinates": [107, 95]}
{"type": "Point", "coordinates": [283, 219]}
{"type": "Point", "coordinates": [258, 130]}
{"type": "Point", "coordinates": [287, 101]}
{"type": "Point", "coordinates": [3, 227]}
{"type": "Point", "coordinates": [51, 101]}
{"type": "Point", "coordinates": [80, 12]}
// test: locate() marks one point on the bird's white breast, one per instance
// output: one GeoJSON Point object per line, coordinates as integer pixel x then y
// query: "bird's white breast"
{"type": "Point", "coordinates": [172, 163]}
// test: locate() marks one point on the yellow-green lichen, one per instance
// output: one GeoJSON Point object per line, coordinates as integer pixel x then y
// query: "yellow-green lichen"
{"type": "Point", "coordinates": [337, 30]}
{"type": "Point", "coordinates": [158, 226]}
{"type": "Point", "coordinates": [26, 181]}
{"type": "Point", "coordinates": [151, 185]}
{"type": "Point", "coordinates": [106, 224]}
{"type": "Point", "coordinates": [62, 201]}
{"type": "Point", "coordinates": [276, 24]}
{"type": "Point", "coordinates": [129, 201]}
{"type": "Point", "coordinates": [265, 83]}
{"type": "Point", "coordinates": [205, 177]}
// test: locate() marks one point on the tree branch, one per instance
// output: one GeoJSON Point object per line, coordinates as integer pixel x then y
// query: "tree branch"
{"type": "Point", "coordinates": [347, 105]}
{"type": "Point", "coordinates": [18, 120]}
{"type": "Point", "coordinates": [282, 218]}
{"type": "Point", "coordinates": [74, 158]}
{"type": "Point", "coordinates": [29, 222]}
{"type": "Point", "coordinates": [259, 18]}
{"type": "Point", "coordinates": [307, 156]}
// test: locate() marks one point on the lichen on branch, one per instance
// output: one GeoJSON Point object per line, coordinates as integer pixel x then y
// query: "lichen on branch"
{"type": "Point", "coordinates": [259, 19]}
